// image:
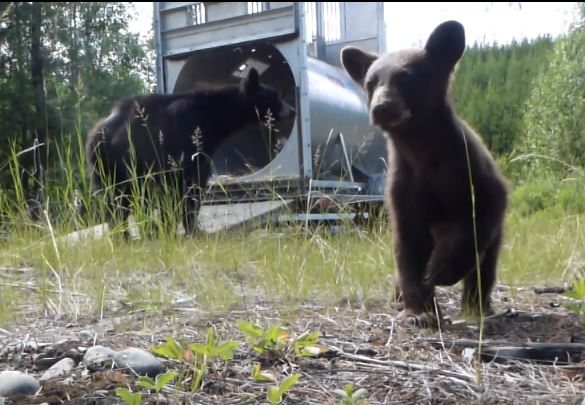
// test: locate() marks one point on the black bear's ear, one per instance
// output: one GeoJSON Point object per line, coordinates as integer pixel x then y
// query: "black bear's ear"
{"type": "Point", "coordinates": [447, 43]}
{"type": "Point", "coordinates": [252, 82]}
{"type": "Point", "coordinates": [357, 62]}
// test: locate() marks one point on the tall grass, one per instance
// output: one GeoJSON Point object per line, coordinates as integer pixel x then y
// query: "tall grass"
{"type": "Point", "coordinates": [281, 266]}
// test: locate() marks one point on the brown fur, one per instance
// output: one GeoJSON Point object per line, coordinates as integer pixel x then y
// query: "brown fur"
{"type": "Point", "coordinates": [435, 221]}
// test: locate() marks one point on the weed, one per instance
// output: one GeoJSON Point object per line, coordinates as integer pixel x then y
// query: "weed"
{"type": "Point", "coordinates": [275, 394]}
{"type": "Point", "coordinates": [129, 397]}
{"type": "Point", "coordinates": [196, 358]}
{"type": "Point", "coordinates": [349, 397]}
{"type": "Point", "coordinates": [276, 342]}
{"type": "Point", "coordinates": [157, 384]}
{"type": "Point", "coordinates": [577, 292]}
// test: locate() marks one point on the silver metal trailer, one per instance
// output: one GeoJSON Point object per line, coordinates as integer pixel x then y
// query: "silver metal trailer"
{"type": "Point", "coordinates": [328, 155]}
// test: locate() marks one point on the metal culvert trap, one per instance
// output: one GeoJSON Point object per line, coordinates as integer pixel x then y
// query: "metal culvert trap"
{"type": "Point", "coordinates": [329, 151]}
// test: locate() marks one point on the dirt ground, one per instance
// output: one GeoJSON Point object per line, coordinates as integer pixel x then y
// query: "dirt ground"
{"type": "Point", "coordinates": [360, 344]}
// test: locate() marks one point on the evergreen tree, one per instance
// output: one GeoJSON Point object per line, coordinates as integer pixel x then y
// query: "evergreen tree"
{"type": "Point", "coordinates": [61, 66]}
{"type": "Point", "coordinates": [491, 85]}
{"type": "Point", "coordinates": [555, 111]}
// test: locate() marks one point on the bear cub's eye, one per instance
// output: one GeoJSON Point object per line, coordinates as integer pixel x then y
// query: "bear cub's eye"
{"type": "Point", "coordinates": [402, 77]}
{"type": "Point", "coordinates": [370, 84]}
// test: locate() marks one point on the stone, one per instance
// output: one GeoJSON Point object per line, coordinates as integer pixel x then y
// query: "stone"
{"type": "Point", "coordinates": [98, 357]}
{"type": "Point", "coordinates": [17, 383]}
{"type": "Point", "coordinates": [138, 361]}
{"type": "Point", "coordinates": [58, 369]}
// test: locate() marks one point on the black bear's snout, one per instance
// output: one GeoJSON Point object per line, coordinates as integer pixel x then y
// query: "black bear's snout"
{"type": "Point", "coordinates": [386, 112]}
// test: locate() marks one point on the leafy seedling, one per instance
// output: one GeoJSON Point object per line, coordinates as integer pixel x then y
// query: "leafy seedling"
{"type": "Point", "coordinates": [205, 354]}
{"type": "Point", "coordinates": [577, 292]}
{"type": "Point", "coordinates": [275, 394]}
{"type": "Point", "coordinates": [272, 340]}
{"type": "Point", "coordinates": [128, 397]}
{"type": "Point", "coordinates": [157, 384]}
{"type": "Point", "coordinates": [196, 357]}
{"type": "Point", "coordinates": [349, 397]}
{"type": "Point", "coordinates": [211, 349]}
{"type": "Point", "coordinates": [277, 342]}
{"type": "Point", "coordinates": [171, 350]}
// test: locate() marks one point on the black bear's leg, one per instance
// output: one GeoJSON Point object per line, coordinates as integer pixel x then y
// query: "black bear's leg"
{"type": "Point", "coordinates": [476, 293]}
{"type": "Point", "coordinates": [195, 182]}
{"type": "Point", "coordinates": [456, 249]}
{"type": "Point", "coordinates": [412, 247]}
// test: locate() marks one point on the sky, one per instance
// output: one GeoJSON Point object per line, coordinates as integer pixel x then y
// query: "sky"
{"type": "Point", "coordinates": [483, 21]}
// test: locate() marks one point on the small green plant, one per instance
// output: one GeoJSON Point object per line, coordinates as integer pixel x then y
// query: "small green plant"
{"type": "Point", "coordinates": [197, 357]}
{"type": "Point", "coordinates": [211, 349]}
{"type": "Point", "coordinates": [157, 384]}
{"type": "Point", "coordinates": [306, 344]}
{"type": "Point", "coordinates": [205, 354]}
{"type": "Point", "coordinates": [349, 397]}
{"type": "Point", "coordinates": [171, 349]}
{"type": "Point", "coordinates": [274, 394]}
{"type": "Point", "coordinates": [276, 340]}
{"type": "Point", "coordinates": [271, 340]}
{"type": "Point", "coordinates": [129, 397]}
{"type": "Point", "coordinates": [577, 292]}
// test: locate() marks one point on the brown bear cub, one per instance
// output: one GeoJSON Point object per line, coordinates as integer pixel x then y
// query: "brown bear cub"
{"type": "Point", "coordinates": [447, 197]}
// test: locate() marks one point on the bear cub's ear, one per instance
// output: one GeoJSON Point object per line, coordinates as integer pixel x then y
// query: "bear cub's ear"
{"type": "Point", "coordinates": [251, 83]}
{"type": "Point", "coordinates": [356, 63]}
{"type": "Point", "coordinates": [446, 44]}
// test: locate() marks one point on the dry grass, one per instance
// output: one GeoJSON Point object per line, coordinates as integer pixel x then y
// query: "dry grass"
{"type": "Point", "coordinates": [365, 347]}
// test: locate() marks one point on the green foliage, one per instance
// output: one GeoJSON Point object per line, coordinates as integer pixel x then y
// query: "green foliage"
{"type": "Point", "coordinates": [87, 60]}
{"type": "Point", "coordinates": [157, 384]}
{"type": "Point", "coordinates": [349, 397]}
{"type": "Point", "coordinates": [303, 345]}
{"type": "Point", "coordinates": [555, 110]}
{"type": "Point", "coordinates": [128, 397]}
{"type": "Point", "coordinates": [274, 394]}
{"type": "Point", "coordinates": [276, 341]}
{"type": "Point", "coordinates": [273, 339]}
{"type": "Point", "coordinates": [198, 357]}
{"type": "Point", "coordinates": [548, 193]}
{"type": "Point", "coordinates": [205, 354]}
{"type": "Point", "coordinates": [578, 290]}
{"type": "Point", "coordinates": [491, 85]}
{"type": "Point", "coordinates": [211, 349]}
{"type": "Point", "coordinates": [171, 349]}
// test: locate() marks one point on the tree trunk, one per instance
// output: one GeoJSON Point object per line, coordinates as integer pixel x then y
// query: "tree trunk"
{"type": "Point", "coordinates": [37, 75]}
{"type": "Point", "coordinates": [19, 99]}
{"type": "Point", "coordinates": [38, 83]}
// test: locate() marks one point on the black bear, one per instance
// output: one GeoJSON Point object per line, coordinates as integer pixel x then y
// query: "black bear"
{"type": "Point", "coordinates": [447, 197]}
{"type": "Point", "coordinates": [157, 133]}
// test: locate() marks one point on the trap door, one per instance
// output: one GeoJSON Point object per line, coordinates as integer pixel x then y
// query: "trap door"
{"type": "Point", "coordinates": [185, 27]}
